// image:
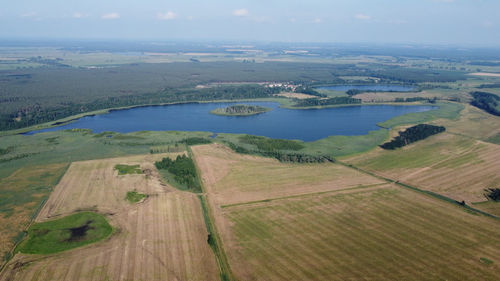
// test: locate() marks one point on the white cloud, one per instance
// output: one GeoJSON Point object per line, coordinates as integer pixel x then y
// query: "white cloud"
{"type": "Point", "coordinates": [78, 15]}
{"type": "Point", "coordinates": [362, 17]}
{"type": "Point", "coordinates": [189, 17]}
{"type": "Point", "coordinates": [110, 16]}
{"type": "Point", "coordinates": [240, 12]}
{"type": "Point", "coordinates": [167, 16]}
{"type": "Point", "coordinates": [29, 15]}
{"type": "Point", "coordinates": [317, 20]}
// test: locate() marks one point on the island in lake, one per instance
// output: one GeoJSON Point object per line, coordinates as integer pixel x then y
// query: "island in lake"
{"type": "Point", "coordinates": [240, 110]}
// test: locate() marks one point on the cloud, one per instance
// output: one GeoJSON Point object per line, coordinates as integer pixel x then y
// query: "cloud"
{"type": "Point", "coordinates": [167, 16]}
{"type": "Point", "coordinates": [362, 17]}
{"type": "Point", "coordinates": [29, 15]}
{"type": "Point", "coordinates": [317, 20]}
{"type": "Point", "coordinates": [110, 16]}
{"type": "Point", "coordinates": [78, 15]}
{"type": "Point", "coordinates": [240, 12]}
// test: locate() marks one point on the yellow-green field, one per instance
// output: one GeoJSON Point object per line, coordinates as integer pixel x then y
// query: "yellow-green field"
{"type": "Point", "coordinates": [365, 231]}
{"type": "Point", "coordinates": [386, 233]}
{"type": "Point", "coordinates": [451, 165]}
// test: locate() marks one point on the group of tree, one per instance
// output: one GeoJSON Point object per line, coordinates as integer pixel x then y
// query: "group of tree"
{"type": "Point", "coordinates": [414, 99]}
{"type": "Point", "coordinates": [183, 170]}
{"type": "Point", "coordinates": [326, 102]}
{"type": "Point", "coordinates": [413, 134]}
{"type": "Point", "coordinates": [486, 101]}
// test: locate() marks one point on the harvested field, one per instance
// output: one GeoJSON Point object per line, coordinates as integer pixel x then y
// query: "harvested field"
{"type": "Point", "coordinates": [234, 178]}
{"type": "Point", "coordinates": [377, 234]}
{"type": "Point", "coordinates": [451, 165]}
{"type": "Point", "coordinates": [96, 185]}
{"type": "Point", "coordinates": [487, 74]}
{"type": "Point", "coordinates": [163, 237]}
{"type": "Point", "coordinates": [391, 96]}
{"type": "Point", "coordinates": [292, 95]}
{"type": "Point", "coordinates": [473, 122]}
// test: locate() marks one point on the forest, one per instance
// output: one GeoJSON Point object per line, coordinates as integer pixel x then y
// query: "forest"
{"type": "Point", "coordinates": [486, 101]}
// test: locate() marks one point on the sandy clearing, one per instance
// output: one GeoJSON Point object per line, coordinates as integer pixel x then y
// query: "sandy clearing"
{"type": "Point", "coordinates": [488, 74]}
{"type": "Point", "coordinates": [162, 238]}
{"type": "Point", "coordinates": [299, 96]}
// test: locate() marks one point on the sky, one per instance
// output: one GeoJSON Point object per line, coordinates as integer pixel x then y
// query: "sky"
{"type": "Point", "coordinates": [449, 22]}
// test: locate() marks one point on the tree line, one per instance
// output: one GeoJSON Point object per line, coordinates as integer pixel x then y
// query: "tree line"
{"type": "Point", "coordinates": [486, 101]}
{"type": "Point", "coordinates": [413, 134]}
{"type": "Point", "coordinates": [37, 114]}
{"type": "Point", "coordinates": [325, 102]}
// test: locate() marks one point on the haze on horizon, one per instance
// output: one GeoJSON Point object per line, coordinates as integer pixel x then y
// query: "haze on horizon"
{"type": "Point", "coordinates": [454, 22]}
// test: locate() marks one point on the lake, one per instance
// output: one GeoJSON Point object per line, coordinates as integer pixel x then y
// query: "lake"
{"type": "Point", "coordinates": [374, 87]}
{"type": "Point", "coordinates": [301, 124]}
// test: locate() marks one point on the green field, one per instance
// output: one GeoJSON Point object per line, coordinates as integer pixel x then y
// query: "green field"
{"type": "Point", "coordinates": [65, 233]}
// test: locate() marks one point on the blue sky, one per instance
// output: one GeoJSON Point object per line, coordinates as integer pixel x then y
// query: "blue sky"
{"type": "Point", "coordinates": [458, 22]}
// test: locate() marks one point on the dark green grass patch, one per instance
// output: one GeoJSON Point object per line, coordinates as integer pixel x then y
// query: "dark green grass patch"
{"type": "Point", "coordinates": [128, 169]}
{"type": "Point", "coordinates": [486, 261]}
{"type": "Point", "coordinates": [66, 233]}
{"type": "Point", "coordinates": [134, 196]}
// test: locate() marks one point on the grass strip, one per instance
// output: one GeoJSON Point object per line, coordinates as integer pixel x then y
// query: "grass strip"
{"type": "Point", "coordinates": [215, 242]}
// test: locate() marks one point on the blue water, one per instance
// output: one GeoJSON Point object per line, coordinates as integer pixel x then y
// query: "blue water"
{"type": "Point", "coordinates": [384, 88]}
{"type": "Point", "coordinates": [302, 124]}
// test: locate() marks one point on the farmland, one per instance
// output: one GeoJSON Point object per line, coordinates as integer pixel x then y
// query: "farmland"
{"type": "Point", "coordinates": [341, 225]}
{"type": "Point", "coordinates": [161, 237]}
{"type": "Point", "coordinates": [222, 206]}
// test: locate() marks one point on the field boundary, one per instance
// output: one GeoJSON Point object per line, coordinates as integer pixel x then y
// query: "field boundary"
{"type": "Point", "coordinates": [213, 238]}
{"type": "Point", "coordinates": [215, 242]}
{"type": "Point", "coordinates": [426, 192]}
{"type": "Point", "coordinates": [301, 195]}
